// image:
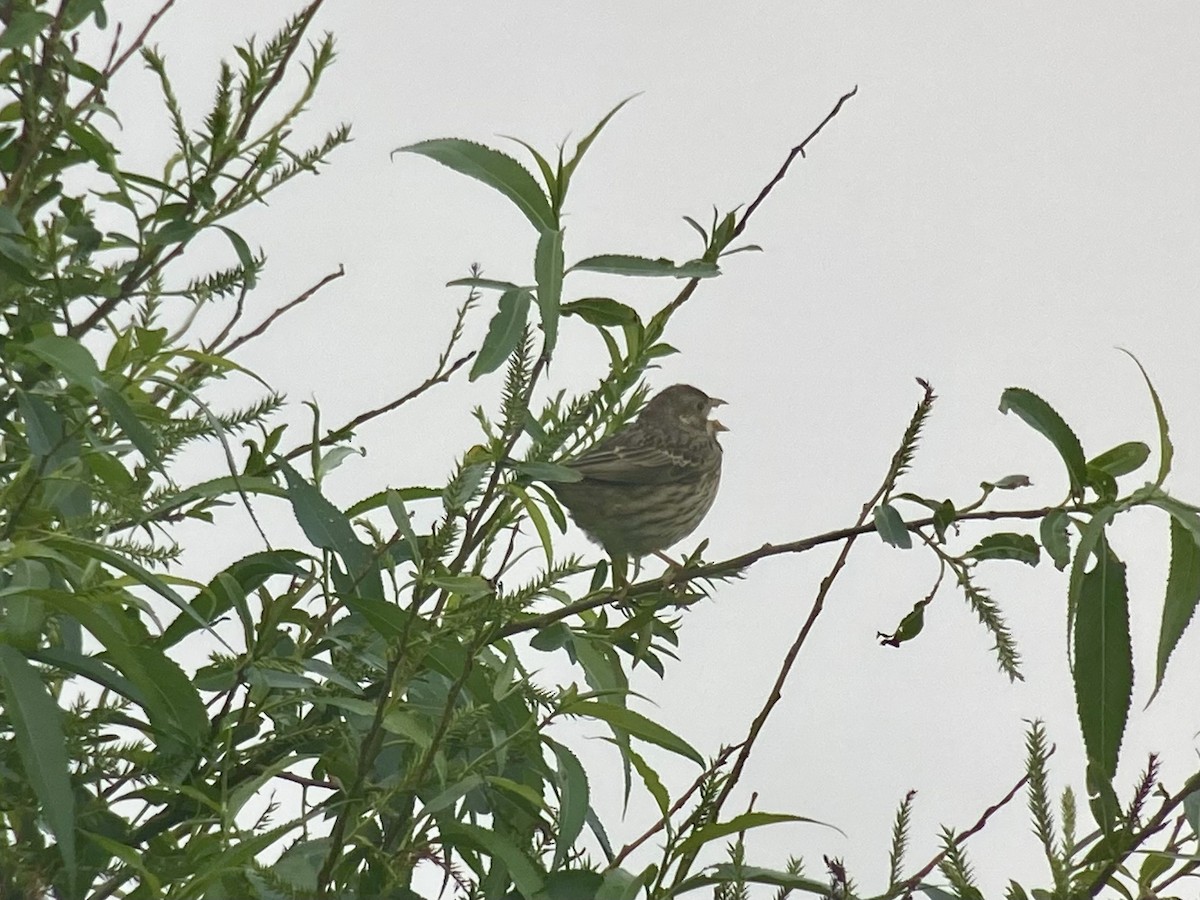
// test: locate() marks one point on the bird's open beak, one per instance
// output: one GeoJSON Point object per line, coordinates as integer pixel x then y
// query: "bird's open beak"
{"type": "Point", "coordinates": [715, 401]}
{"type": "Point", "coordinates": [716, 426]}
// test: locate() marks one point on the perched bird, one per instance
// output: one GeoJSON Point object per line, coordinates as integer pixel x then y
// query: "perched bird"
{"type": "Point", "coordinates": [649, 485]}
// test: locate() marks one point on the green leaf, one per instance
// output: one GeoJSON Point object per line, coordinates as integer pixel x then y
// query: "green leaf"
{"type": "Point", "coordinates": [488, 283]}
{"type": "Point", "coordinates": [635, 724]}
{"type": "Point", "coordinates": [1166, 449]}
{"type": "Point", "coordinates": [37, 725]}
{"type": "Point", "coordinates": [141, 436]}
{"type": "Point", "coordinates": [1055, 537]}
{"type": "Point", "coordinates": [1007, 545]}
{"type": "Point", "coordinates": [582, 147]}
{"type": "Point", "coordinates": [1121, 459]}
{"type": "Point", "coordinates": [44, 428]}
{"type": "Point", "coordinates": [1183, 593]}
{"type": "Point", "coordinates": [1103, 660]}
{"type": "Point", "coordinates": [328, 528]}
{"type": "Point", "coordinates": [601, 311]}
{"type": "Point", "coordinates": [495, 169]}
{"type": "Point", "coordinates": [23, 28]}
{"type": "Point", "coordinates": [1039, 415]}
{"type": "Point", "coordinates": [505, 332]}
{"type": "Point", "coordinates": [69, 357]}
{"type": "Point", "coordinates": [544, 471]}
{"type": "Point", "coordinates": [728, 873]}
{"type": "Point", "coordinates": [537, 517]}
{"type": "Point", "coordinates": [245, 257]}
{"type": "Point", "coordinates": [548, 267]}
{"type": "Point", "coordinates": [400, 516]}
{"type": "Point", "coordinates": [524, 871]}
{"type": "Point", "coordinates": [642, 267]}
{"type": "Point", "coordinates": [651, 780]}
{"type": "Point", "coordinates": [744, 822]}
{"type": "Point", "coordinates": [1091, 536]}
{"type": "Point", "coordinates": [890, 525]}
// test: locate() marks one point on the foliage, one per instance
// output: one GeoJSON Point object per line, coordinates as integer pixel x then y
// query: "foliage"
{"type": "Point", "coordinates": [373, 673]}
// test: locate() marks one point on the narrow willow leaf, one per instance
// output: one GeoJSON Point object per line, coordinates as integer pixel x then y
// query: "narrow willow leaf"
{"type": "Point", "coordinates": [237, 580]}
{"type": "Point", "coordinates": [37, 725]}
{"type": "Point", "coordinates": [69, 357]}
{"type": "Point", "coordinates": [403, 522]}
{"type": "Point", "coordinates": [329, 528]}
{"type": "Point", "coordinates": [574, 800]}
{"type": "Point", "coordinates": [1166, 449]}
{"type": "Point", "coordinates": [1039, 415]}
{"type": "Point", "coordinates": [120, 410]}
{"type": "Point", "coordinates": [581, 148]}
{"type": "Point", "coordinates": [504, 332]}
{"type": "Point", "coordinates": [521, 868]}
{"type": "Point", "coordinates": [637, 725]}
{"type": "Point", "coordinates": [890, 525]}
{"type": "Point", "coordinates": [537, 518]}
{"type": "Point", "coordinates": [640, 266]}
{"type": "Point", "coordinates": [495, 169]}
{"type": "Point", "coordinates": [1007, 545]}
{"type": "Point", "coordinates": [245, 257]}
{"type": "Point", "coordinates": [1091, 536]}
{"type": "Point", "coordinates": [1183, 593]}
{"type": "Point", "coordinates": [548, 268]}
{"type": "Point", "coordinates": [1103, 661]}
{"type": "Point", "coordinates": [1055, 537]}
{"type": "Point", "coordinates": [1121, 459]}
{"type": "Point", "coordinates": [601, 311]}
{"type": "Point", "coordinates": [544, 471]}
{"type": "Point", "coordinates": [744, 822]}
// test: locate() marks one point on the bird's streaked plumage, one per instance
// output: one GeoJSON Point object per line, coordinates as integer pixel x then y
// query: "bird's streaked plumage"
{"type": "Point", "coordinates": [649, 485]}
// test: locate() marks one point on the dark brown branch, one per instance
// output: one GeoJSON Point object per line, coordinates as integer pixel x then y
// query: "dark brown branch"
{"type": "Point", "coordinates": [658, 826]}
{"type": "Point", "coordinates": [798, 150]}
{"type": "Point", "coordinates": [270, 320]}
{"type": "Point", "coordinates": [113, 67]}
{"type": "Point", "coordinates": [743, 561]}
{"type": "Point", "coordinates": [1152, 827]}
{"type": "Point", "coordinates": [912, 883]}
{"type": "Point", "coordinates": [338, 433]}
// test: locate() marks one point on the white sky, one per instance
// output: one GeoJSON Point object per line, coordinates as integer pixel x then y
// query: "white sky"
{"type": "Point", "coordinates": [1012, 194]}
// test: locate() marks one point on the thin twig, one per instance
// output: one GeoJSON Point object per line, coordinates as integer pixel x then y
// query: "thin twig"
{"type": "Point", "coordinates": [658, 826]}
{"type": "Point", "coordinates": [270, 320]}
{"type": "Point", "coordinates": [337, 433]}
{"type": "Point", "coordinates": [112, 68]}
{"type": "Point", "coordinates": [744, 561]}
{"type": "Point", "coordinates": [798, 150]}
{"type": "Point", "coordinates": [914, 882]}
{"type": "Point", "coordinates": [1153, 826]}
{"type": "Point", "coordinates": [789, 660]}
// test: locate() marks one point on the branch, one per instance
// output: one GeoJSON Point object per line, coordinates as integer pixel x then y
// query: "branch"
{"type": "Point", "coordinates": [658, 826]}
{"type": "Point", "coordinates": [818, 605]}
{"type": "Point", "coordinates": [270, 320]}
{"type": "Point", "coordinates": [798, 150]}
{"type": "Point", "coordinates": [437, 378]}
{"type": "Point", "coordinates": [743, 561]}
{"type": "Point", "coordinates": [912, 883]}
{"type": "Point", "coordinates": [1154, 825]}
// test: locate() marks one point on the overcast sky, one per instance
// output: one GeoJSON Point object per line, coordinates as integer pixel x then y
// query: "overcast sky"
{"type": "Point", "coordinates": [1013, 193]}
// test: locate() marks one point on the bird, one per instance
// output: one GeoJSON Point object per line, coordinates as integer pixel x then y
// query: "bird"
{"type": "Point", "coordinates": [650, 484]}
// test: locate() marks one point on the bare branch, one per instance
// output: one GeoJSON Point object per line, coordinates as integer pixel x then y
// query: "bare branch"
{"type": "Point", "coordinates": [912, 883]}
{"type": "Point", "coordinates": [270, 320]}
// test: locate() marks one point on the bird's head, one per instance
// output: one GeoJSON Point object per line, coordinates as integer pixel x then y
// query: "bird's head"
{"type": "Point", "coordinates": [682, 405]}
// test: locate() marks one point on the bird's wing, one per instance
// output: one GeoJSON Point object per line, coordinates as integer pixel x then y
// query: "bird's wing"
{"type": "Point", "coordinates": [631, 459]}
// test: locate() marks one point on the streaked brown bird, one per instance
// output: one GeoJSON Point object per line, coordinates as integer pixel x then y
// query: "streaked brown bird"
{"type": "Point", "coordinates": [649, 485]}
